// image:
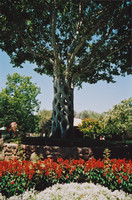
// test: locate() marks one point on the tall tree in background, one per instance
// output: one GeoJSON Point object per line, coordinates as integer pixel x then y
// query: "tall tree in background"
{"type": "Point", "coordinates": [44, 116]}
{"type": "Point", "coordinates": [73, 41]}
{"type": "Point", "coordinates": [90, 114]}
{"type": "Point", "coordinates": [18, 102]}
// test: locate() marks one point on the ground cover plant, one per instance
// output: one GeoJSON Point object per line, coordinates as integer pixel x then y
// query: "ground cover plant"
{"type": "Point", "coordinates": [18, 176]}
{"type": "Point", "coordinates": [74, 191]}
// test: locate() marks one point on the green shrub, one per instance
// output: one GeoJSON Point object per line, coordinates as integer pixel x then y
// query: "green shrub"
{"type": "Point", "coordinates": [91, 128]}
{"type": "Point", "coordinates": [118, 121]}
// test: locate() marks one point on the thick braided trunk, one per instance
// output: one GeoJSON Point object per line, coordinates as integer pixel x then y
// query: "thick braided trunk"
{"type": "Point", "coordinates": [62, 116]}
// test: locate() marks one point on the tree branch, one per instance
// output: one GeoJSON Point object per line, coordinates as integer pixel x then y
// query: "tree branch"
{"type": "Point", "coordinates": [40, 47]}
{"type": "Point", "coordinates": [86, 68]}
{"type": "Point", "coordinates": [78, 25]}
{"type": "Point", "coordinates": [53, 40]}
{"type": "Point", "coordinates": [83, 39]}
{"type": "Point", "coordinates": [101, 42]}
{"type": "Point", "coordinates": [30, 49]}
{"type": "Point", "coordinates": [116, 50]}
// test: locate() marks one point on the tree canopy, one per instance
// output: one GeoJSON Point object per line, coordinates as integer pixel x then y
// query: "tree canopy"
{"type": "Point", "coordinates": [88, 40]}
{"type": "Point", "coordinates": [18, 102]}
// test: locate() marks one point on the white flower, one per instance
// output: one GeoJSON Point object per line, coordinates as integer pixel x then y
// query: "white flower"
{"type": "Point", "coordinates": [74, 191]}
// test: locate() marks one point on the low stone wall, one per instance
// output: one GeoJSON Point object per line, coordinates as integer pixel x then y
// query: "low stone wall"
{"type": "Point", "coordinates": [30, 152]}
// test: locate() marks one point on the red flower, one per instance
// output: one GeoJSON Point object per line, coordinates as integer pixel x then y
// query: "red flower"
{"type": "Point", "coordinates": [119, 181]}
{"type": "Point", "coordinates": [67, 176]}
{"type": "Point", "coordinates": [60, 160]}
{"type": "Point", "coordinates": [70, 172]}
{"type": "Point", "coordinates": [12, 182]}
{"type": "Point", "coordinates": [125, 177]}
{"type": "Point", "coordinates": [104, 174]}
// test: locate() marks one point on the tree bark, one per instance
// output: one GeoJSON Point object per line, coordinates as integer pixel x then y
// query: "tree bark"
{"type": "Point", "coordinates": [62, 116]}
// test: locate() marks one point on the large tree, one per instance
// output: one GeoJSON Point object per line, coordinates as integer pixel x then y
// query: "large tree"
{"type": "Point", "coordinates": [74, 41]}
{"type": "Point", "coordinates": [18, 102]}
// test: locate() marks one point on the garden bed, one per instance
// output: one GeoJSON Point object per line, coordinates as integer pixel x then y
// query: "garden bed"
{"type": "Point", "coordinates": [18, 176]}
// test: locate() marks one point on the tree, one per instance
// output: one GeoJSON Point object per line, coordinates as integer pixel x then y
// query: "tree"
{"type": "Point", "coordinates": [18, 102]}
{"type": "Point", "coordinates": [90, 114]}
{"type": "Point", "coordinates": [118, 121]}
{"type": "Point", "coordinates": [72, 41]}
{"type": "Point", "coordinates": [44, 116]}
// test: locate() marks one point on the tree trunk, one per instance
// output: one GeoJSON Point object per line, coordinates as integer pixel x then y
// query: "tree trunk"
{"type": "Point", "coordinates": [62, 116]}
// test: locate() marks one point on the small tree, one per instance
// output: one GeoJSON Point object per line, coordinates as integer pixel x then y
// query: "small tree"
{"type": "Point", "coordinates": [73, 41]}
{"type": "Point", "coordinates": [118, 121]}
{"type": "Point", "coordinates": [18, 102]}
{"type": "Point", "coordinates": [44, 116]}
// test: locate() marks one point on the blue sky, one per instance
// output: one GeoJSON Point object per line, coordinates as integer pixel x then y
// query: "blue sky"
{"type": "Point", "coordinates": [99, 97]}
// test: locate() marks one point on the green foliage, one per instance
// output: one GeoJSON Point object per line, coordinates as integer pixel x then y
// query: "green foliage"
{"type": "Point", "coordinates": [18, 102]}
{"type": "Point", "coordinates": [45, 122]}
{"type": "Point", "coordinates": [85, 40]}
{"type": "Point", "coordinates": [91, 128]}
{"type": "Point", "coordinates": [115, 124]}
{"type": "Point", "coordinates": [11, 185]}
{"type": "Point", "coordinates": [106, 153]}
{"type": "Point", "coordinates": [90, 114]}
{"type": "Point", "coordinates": [44, 116]}
{"type": "Point", "coordinates": [118, 121]}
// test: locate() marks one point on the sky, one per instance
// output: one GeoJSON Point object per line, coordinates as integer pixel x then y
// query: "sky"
{"type": "Point", "coordinates": [99, 97]}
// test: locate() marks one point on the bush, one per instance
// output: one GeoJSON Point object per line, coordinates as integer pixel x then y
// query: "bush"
{"type": "Point", "coordinates": [118, 121]}
{"type": "Point", "coordinates": [91, 128]}
{"type": "Point", "coordinates": [18, 176]}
